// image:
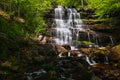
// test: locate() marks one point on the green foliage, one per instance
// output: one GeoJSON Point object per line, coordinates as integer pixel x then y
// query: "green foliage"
{"type": "Point", "coordinates": [76, 3]}
{"type": "Point", "coordinates": [12, 29]}
{"type": "Point", "coordinates": [32, 11]}
{"type": "Point", "coordinates": [105, 8]}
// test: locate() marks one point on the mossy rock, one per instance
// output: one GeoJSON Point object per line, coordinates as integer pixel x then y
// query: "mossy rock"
{"type": "Point", "coordinates": [115, 55]}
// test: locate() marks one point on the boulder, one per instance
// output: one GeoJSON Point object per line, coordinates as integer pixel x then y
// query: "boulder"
{"type": "Point", "coordinates": [46, 49]}
{"type": "Point", "coordinates": [44, 39]}
{"type": "Point", "coordinates": [76, 53]}
{"type": "Point", "coordinates": [115, 54]}
{"type": "Point", "coordinates": [67, 46]}
{"type": "Point", "coordinates": [86, 50]}
{"type": "Point", "coordinates": [60, 49]}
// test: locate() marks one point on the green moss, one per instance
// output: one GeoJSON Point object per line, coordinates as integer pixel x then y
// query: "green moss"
{"type": "Point", "coordinates": [83, 42]}
{"type": "Point", "coordinates": [100, 51]}
{"type": "Point", "coordinates": [116, 48]}
{"type": "Point", "coordinates": [76, 41]}
{"type": "Point", "coordinates": [86, 42]}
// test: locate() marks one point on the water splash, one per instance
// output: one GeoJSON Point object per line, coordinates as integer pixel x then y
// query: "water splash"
{"type": "Point", "coordinates": [90, 62]}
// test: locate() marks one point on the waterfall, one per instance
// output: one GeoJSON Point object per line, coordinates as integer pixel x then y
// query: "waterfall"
{"type": "Point", "coordinates": [68, 24]}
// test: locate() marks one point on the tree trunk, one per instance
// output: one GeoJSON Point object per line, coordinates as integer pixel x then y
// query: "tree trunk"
{"type": "Point", "coordinates": [82, 3]}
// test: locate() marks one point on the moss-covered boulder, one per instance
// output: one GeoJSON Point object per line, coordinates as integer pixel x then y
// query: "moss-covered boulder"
{"type": "Point", "coordinates": [115, 55]}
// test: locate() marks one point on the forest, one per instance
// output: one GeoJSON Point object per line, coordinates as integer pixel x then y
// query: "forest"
{"type": "Point", "coordinates": [26, 52]}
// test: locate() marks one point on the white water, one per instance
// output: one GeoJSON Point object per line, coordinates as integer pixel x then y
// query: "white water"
{"type": "Point", "coordinates": [92, 62]}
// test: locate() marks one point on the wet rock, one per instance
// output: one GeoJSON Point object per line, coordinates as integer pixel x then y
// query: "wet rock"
{"type": "Point", "coordinates": [87, 51]}
{"type": "Point", "coordinates": [44, 39]}
{"type": "Point", "coordinates": [67, 46]}
{"type": "Point", "coordinates": [99, 55]}
{"type": "Point", "coordinates": [60, 49]}
{"type": "Point", "coordinates": [96, 38]}
{"type": "Point", "coordinates": [104, 40]}
{"type": "Point", "coordinates": [76, 53]}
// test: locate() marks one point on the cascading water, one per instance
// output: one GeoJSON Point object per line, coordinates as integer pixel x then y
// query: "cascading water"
{"type": "Point", "coordinates": [68, 24]}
